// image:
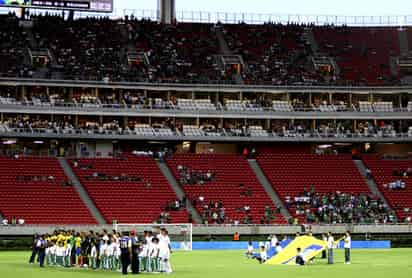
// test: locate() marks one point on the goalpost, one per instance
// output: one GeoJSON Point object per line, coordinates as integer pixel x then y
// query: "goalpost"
{"type": "Point", "coordinates": [181, 235]}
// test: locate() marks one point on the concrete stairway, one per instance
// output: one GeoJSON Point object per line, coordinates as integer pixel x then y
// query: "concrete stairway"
{"type": "Point", "coordinates": [373, 187]}
{"type": "Point", "coordinates": [268, 188]}
{"type": "Point", "coordinates": [403, 42]}
{"type": "Point", "coordinates": [82, 192]}
{"type": "Point", "coordinates": [310, 38]}
{"type": "Point", "coordinates": [178, 190]}
{"type": "Point", "coordinates": [393, 64]}
{"type": "Point", "coordinates": [224, 48]}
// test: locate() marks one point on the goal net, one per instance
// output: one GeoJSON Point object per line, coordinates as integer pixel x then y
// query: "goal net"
{"type": "Point", "coordinates": [180, 234]}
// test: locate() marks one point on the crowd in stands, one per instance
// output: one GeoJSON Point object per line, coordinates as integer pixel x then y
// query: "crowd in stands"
{"type": "Point", "coordinates": [14, 221]}
{"type": "Point", "coordinates": [280, 128]}
{"type": "Point", "coordinates": [142, 50]}
{"type": "Point", "coordinates": [399, 184]}
{"type": "Point", "coordinates": [176, 53]}
{"type": "Point", "coordinates": [104, 177]}
{"type": "Point", "coordinates": [13, 43]}
{"type": "Point", "coordinates": [189, 176]}
{"type": "Point", "coordinates": [212, 212]}
{"type": "Point", "coordinates": [340, 207]}
{"type": "Point", "coordinates": [269, 215]}
{"type": "Point", "coordinates": [172, 206]}
{"type": "Point", "coordinates": [396, 185]}
{"type": "Point", "coordinates": [402, 172]}
{"type": "Point", "coordinates": [37, 178]}
{"type": "Point", "coordinates": [176, 205]}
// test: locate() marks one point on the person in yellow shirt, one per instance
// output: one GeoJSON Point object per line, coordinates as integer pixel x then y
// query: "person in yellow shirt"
{"type": "Point", "coordinates": [77, 246]}
{"type": "Point", "coordinates": [66, 239]}
{"type": "Point", "coordinates": [60, 238]}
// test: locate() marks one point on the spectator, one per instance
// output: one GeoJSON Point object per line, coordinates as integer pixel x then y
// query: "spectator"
{"type": "Point", "coordinates": [236, 237]}
{"type": "Point", "coordinates": [368, 173]}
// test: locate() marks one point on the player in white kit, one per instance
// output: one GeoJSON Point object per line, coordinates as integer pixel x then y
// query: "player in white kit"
{"type": "Point", "coordinates": [164, 251]}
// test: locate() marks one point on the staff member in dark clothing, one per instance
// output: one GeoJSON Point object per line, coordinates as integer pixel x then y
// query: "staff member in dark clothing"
{"type": "Point", "coordinates": [299, 257]}
{"type": "Point", "coordinates": [135, 253]}
{"type": "Point", "coordinates": [34, 249]}
{"type": "Point", "coordinates": [41, 247]}
{"type": "Point", "coordinates": [325, 239]}
{"type": "Point", "coordinates": [126, 250]}
{"type": "Point", "coordinates": [84, 249]}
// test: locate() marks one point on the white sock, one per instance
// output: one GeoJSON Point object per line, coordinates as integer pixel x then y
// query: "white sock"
{"type": "Point", "coordinates": [168, 267]}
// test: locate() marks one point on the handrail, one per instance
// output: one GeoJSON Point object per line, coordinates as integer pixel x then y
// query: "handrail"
{"type": "Point", "coordinates": [312, 134]}
{"type": "Point", "coordinates": [209, 87]}
{"type": "Point", "coordinates": [226, 17]}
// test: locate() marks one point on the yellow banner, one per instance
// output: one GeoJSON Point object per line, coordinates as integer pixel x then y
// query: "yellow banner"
{"type": "Point", "coordinates": [310, 247]}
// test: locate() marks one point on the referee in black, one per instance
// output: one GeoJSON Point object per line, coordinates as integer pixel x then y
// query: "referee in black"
{"type": "Point", "coordinates": [126, 250]}
{"type": "Point", "coordinates": [34, 249]}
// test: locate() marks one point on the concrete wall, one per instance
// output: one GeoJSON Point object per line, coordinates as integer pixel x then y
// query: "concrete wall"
{"type": "Point", "coordinates": [222, 230]}
{"type": "Point", "coordinates": [104, 148]}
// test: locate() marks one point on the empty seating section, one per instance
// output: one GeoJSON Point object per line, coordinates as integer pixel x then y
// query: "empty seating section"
{"type": "Point", "coordinates": [324, 107]}
{"type": "Point", "coordinates": [382, 172]}
{"type": "Point", "coordinates": [192, 130]}
{"type": "Point", "coordinates": [362, 54]}
{"type": "Point", "coordinates": [245, 105]}
{"type": "Point", "coordinates": [137, 201]}
{"type": "Point", "coordinates": [230, 172]}
{"type": "Point", "coordinates": [234, 105]}
{"type": "Point", "coordinates": [147, 130]}
{"type": "Point", "coordinates": [9, 100]}
{"type": "Point", "coordinates": [379, 106]}
{"type": "Point", "coordinates": [198, 104]}
{"type": "Point", "coordinates": [290, 174]}
{"type": "Point", "coordinates": [365, 106]}
{"type": "Point", "coordinates": [282, 106]}
{"type": "Point", "coordinates": [32, 189]}
{"type": "Point", "coordinates": [258, 131]}
{"type": "Point", "coordinates": [383, 106]}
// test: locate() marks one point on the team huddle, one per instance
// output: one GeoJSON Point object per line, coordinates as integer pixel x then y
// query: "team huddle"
{"type": "Point", "coordinates": [105, 251]}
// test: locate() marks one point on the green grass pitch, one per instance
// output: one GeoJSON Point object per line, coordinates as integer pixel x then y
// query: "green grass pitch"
{"type": "Point", "coordinates": [390, 263]}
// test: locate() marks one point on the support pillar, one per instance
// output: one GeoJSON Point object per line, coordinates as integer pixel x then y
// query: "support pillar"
{"type": "Point", "coordinates": [166, 11]}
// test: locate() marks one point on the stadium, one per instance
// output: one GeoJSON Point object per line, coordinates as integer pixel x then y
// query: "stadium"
{"type": "Point", "coordinates": [198, 144]}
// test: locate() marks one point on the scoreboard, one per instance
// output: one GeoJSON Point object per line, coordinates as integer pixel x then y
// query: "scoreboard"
{"type": "Point", "coordinates": [78, 5]}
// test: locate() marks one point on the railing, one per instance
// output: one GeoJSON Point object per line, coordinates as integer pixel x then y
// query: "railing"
{"type": "Point", "coordinates": [209, 87]}
{"type": "Point", "coordinates": [223, 135]}
{"type": "Point", "coordinates": [218, 110]}
{"type": "Point", "coordinates": [226, 229]}
{"type": "Point", "coordinates": [249, 18]}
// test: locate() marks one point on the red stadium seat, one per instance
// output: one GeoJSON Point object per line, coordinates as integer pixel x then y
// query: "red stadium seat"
{"type": "Point", "coordinates": [39, 202]}
{"type": "Point", "coordinates": [382, 172]}
{"type": "Point", "coordinates": [230, 170]}
{"type": "Point", "coordinates": [127, 201]}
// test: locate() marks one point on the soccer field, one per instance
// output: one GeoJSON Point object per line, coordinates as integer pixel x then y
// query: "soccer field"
{"type": "Point", "coordinates": [390, 263]}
